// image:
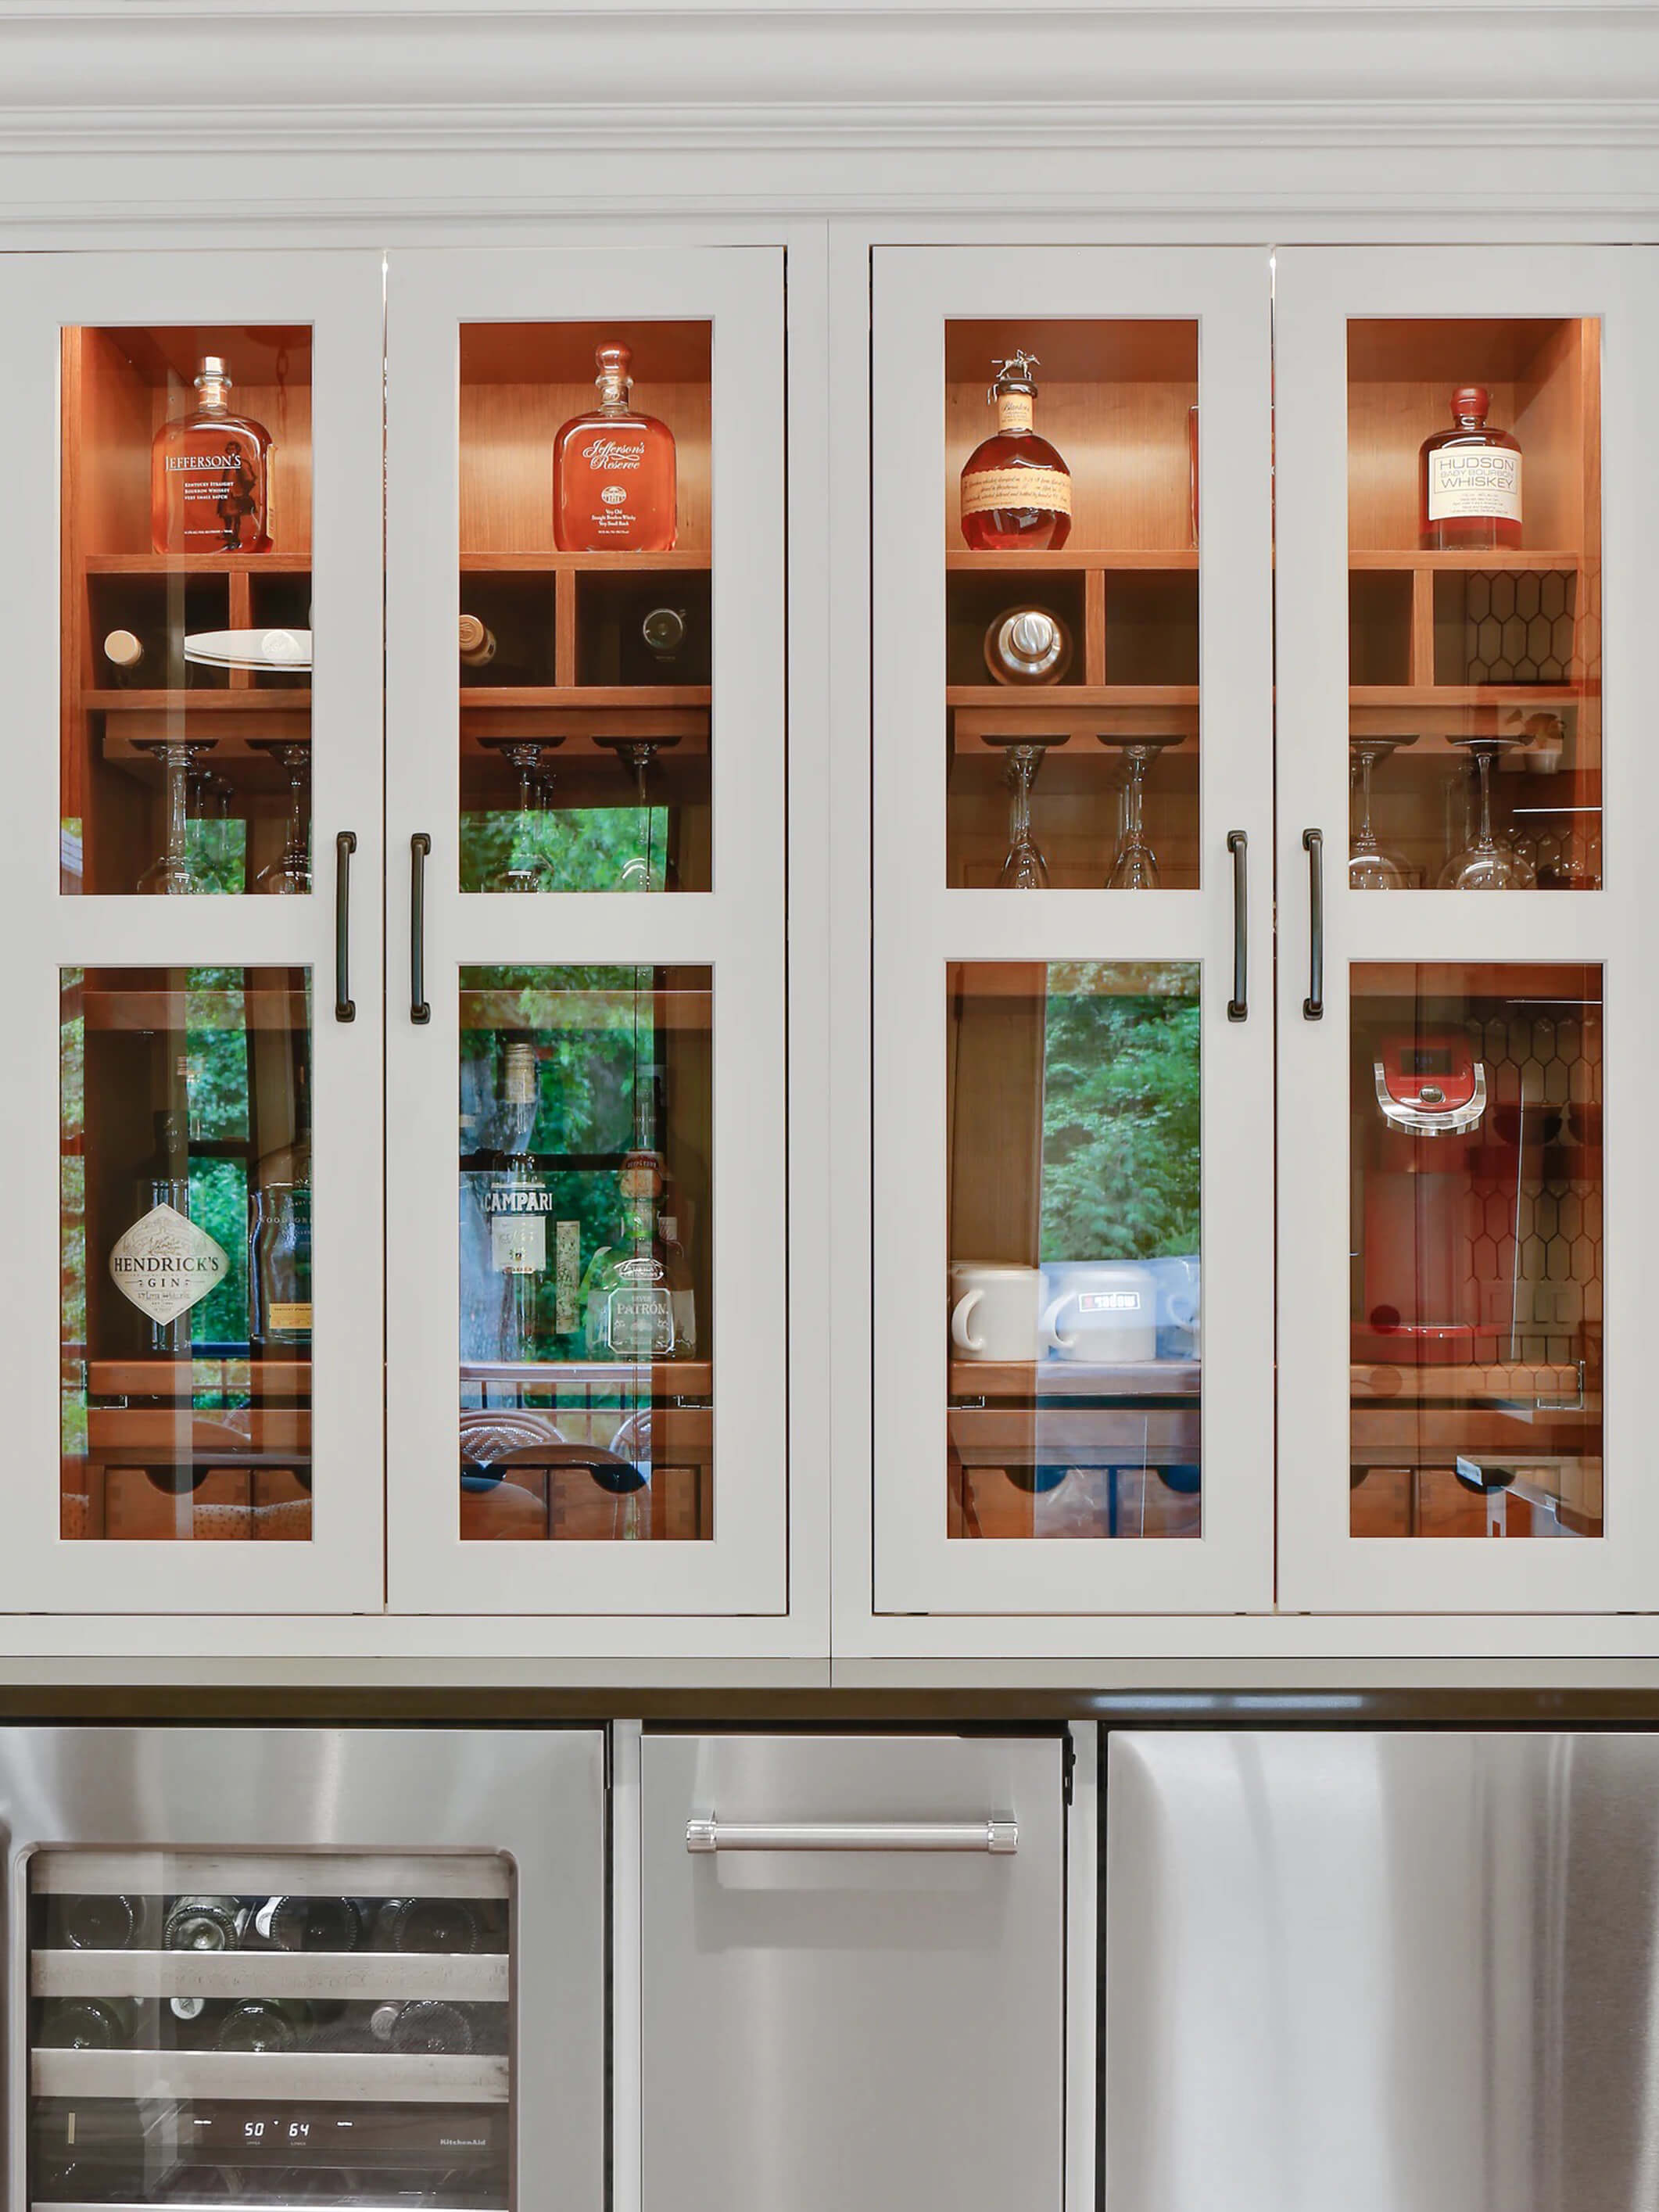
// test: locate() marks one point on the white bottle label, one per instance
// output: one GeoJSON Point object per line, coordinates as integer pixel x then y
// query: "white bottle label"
{"type": "Point", "coordinates": [165, 1264]}
{"type": "Point", "coordinates": [518, 1228]}
{"type": "Point", "coordinates": [1479, 480]}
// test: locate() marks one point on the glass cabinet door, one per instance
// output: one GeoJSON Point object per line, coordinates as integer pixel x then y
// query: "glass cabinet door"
{"type": "Point", "coordinates": [190, 1102]}
{"type": "Point", "coordinates": [587, 1385]}
{"type": "Point", "coordinates": [1465, 1208]}
{"type": "Point", "coordinates": [1071, 786]}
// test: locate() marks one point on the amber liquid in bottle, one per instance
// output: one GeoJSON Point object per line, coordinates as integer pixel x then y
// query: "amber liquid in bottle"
{"type": "Point", "coordinates": [613, 472]}
{"type": "Point", "coordinates": [1016, 489]}
{"type": "Point", "coordinates": [1469, 480]}
{"type": "Point", "coordinates": [209, 483]}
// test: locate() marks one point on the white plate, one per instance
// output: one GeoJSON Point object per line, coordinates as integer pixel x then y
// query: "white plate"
{"type": "Point", "coordinates": [250, 648]}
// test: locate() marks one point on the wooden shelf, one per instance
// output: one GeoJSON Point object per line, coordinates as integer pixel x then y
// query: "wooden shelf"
{"type": "Point", "coordinates": [1121, 559]}
{"type": "Point", "coordinates": [539, 562]}
{"type": "Point", "coordinates": [1075, 714]}
{"type": "Point", "coordinates": [185, 1378]}
{"type": "Point", "coordinates": [591, 698]}
{"type": "Point", "coordinates": [1379, 1381]}
{"type": "Point", "coordinates": [1463, 562]}
{"type": "Point", "coordinates": [197, 564]}
{"type": "Point", "coordinates": [670, 1378]}
{"type": "Point", "coordinates": [1043, 1379]}
{"type": "Point", "coordinates": [158, 1436]}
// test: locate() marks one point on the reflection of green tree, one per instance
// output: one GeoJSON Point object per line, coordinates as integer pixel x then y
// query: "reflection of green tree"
{"type": "Point", "coordinates": [588, 847]}
{"type": "Point", "coordinates": [1120, 1112]}
{"type": "Point", "coordinates": [216, 1045]}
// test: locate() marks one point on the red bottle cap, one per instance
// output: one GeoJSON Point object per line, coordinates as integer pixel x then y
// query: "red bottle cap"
{"type": "Point", "coordinates": [1471, 399]}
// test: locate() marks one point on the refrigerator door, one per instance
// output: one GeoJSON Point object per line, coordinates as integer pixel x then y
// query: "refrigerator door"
{"type": "Point", "coordinates": [852, 1973]}
{"type": "Point", "coordinates": [304, 1964]}
{"type": "Point", "coordinates": [1414, 1972]}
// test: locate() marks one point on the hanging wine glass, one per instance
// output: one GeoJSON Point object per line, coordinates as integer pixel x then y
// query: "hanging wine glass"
{"type": "Point", "coordinates": [1489, 864]}
{"type": "Point", "coordinates": [1134, 865]}
{"type": "Point", "coordinates": [639, 872]}
{"type": "Point", "coordinates": [171, 874]}
{"type": "Point", "coordinates": [288, 875]}
{"type": "Point", "coordinates": [528, 867]}
{"type": "Point", "coordinates": [1025, 868]}
{"type": "Point", "coordinates": [1370, 868]}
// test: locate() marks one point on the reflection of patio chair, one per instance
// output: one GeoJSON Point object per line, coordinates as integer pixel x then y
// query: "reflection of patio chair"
{"type": "Point", "coordinates": [497, 1440]}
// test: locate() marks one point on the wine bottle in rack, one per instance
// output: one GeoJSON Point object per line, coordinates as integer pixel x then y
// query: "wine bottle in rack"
{"type": "Point", "coordinates": [445, 1924]}
{"type": "Point", "coordinates": [266, 2024]}
{"type": "Point", "coordinates": [424, 2025]}
{"type": "Point", "coordinates": [309, 1923]}
{"type": "Point", "coordinates": [87, 2023]}
{"type": "Point", "coordinates": [477, 643]}
{"type": "Point", "coordinates": [1028, 645]}
{"type": "Point", "coordinates": [97, 1923]}
{"type": "Point", "coordinates": [204, 1923]}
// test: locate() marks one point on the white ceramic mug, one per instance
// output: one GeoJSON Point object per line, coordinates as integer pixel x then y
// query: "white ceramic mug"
{"type": "Point", "coordinates": [993, 1310]}
{"type": "Point", "coordinates": [1102, 1311]}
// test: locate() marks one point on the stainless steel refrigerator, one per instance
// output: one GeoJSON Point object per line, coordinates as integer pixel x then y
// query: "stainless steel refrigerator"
{"type": "Point", "coordinates": [1388, 1973]}
{"type": "Point", "coordinates": [362, 1967]}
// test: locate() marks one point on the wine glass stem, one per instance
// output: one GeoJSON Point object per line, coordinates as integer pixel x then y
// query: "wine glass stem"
{"type": "Point", "coordinates": [176, 760]}
{"type": "Point", "coordinates": [1366, 764]}
{"type": "Point", "coordinates": [1023, 762]}
{"type": "Point", "coordinates": [1132, 835]}
{"type": "Point", "coordinates": [1483, 768]}
{"type": "Point", "coordinates": [296, 773]}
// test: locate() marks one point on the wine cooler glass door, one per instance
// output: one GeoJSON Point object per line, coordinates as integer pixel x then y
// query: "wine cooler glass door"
{"type": "Point", "coordinates": [1070, 817]}
{"type": "Point", "coordinates": [588, 1400]}
{"type": "Point", "coordinates": [326, 2002]}
{"type": "Point", "coordinates": [191, 1094]}
{"type": "Point", "coordinates": [1463, 451]}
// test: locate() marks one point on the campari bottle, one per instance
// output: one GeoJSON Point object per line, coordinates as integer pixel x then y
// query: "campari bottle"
{"type": "Point", "coordinates": [1469, 480]}
{"type": "Point", "coordinates": [1016, 489]}
{"type": "Point", "coordinates": [613, 471]}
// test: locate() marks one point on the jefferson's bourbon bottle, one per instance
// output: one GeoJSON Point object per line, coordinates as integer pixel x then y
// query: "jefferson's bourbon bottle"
{"type": "Point", "coordinates": [210, 482]}
{"type": "Point", "coordinates": [1016, 489]}
{"type": "Point", "coordinates": [1469, 480]}
{"type": "Point", "coordinates": [613, 471]}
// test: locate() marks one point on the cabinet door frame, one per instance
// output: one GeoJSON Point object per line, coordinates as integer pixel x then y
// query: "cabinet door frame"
{"type": "Point", "coordinates": [1062, 1587]}
{"type": "Point", "coordinates": [1321, 1568]}
{"type": "Point", "coordinates": [737, 928]}
{"type": "Point", "coordinates": [339, 294]}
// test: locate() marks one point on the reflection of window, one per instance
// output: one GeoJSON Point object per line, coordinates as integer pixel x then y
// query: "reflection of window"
{"type": "Point", "coordinates": [1120, 1112]}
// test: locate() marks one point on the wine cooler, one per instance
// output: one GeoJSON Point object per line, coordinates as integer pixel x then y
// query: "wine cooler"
{"type": "Point", "coordinates": [359, 1968]}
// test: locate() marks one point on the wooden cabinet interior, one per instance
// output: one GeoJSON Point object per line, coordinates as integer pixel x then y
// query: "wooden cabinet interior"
{"type": "Point", "coordinates": [1119, 401]}
{"type": "Point", "coordinates": [119, 387]}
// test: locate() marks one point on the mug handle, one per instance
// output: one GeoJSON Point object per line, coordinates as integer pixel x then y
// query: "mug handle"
{"type": "Point", "coordinates": [1052, 1338]}
{"type": "Point", "coordinates": [959, 1336]}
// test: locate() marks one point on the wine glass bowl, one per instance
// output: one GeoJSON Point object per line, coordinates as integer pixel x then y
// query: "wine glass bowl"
{"type": "Point", "coordinates": [1369, 868]}
{"type": "Point", "coordinates": [1489, 863]}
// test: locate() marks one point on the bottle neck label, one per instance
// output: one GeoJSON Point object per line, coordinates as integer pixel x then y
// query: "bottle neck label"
{"type": "Point", "coordinates": [1015, 411]}
{"type": "Point", "coordinates": [1479, 480]}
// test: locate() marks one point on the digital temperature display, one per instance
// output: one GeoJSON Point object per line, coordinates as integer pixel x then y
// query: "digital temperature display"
{"type": "Point", "coordinates": [277, 2130]}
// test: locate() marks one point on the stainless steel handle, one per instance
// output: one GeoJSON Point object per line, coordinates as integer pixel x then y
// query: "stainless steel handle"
{"type": "Point", "coordinates": [1312, 844]}
{"type": "Point", "coordinates": [419, 846]}
{"type": "Point", "coordinates": [1238, 1007]}
{"type": "Point", "coordinates": [345, 845]}
{"type": "Point", "coordinates": [1000, 1837]}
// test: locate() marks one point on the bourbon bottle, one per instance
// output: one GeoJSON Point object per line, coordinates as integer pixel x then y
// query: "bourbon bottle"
{"type": "Point", "coordinates": [1469, 480]}
{"type": "Point", "coordinates": [1016, 489]}
{"type": "Point", "coordinates": [613, 471]}
{"type": "Point", "coordinates": [209, 483]}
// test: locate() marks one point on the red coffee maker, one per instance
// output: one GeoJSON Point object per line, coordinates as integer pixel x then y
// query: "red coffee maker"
{"type": "Point", "coordinates": [1420, 1302]}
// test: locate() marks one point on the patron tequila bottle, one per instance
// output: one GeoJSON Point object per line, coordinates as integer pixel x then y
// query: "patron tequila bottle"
{"type": "Point", "coordinates": [613, 471]}
{"type": "Point", "coordinates": [210, 475]}
{"type": "Point", "coordinates": [1016, 489]}
{"type": "Point", "coordinates": [629, 1301]}
{"type": "Point", "coordinates": [1469, 480]}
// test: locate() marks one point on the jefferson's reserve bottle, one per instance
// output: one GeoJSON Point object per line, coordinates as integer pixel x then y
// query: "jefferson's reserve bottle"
{"type": "Point", "coordinates": [210, 485]}
{"type": "Point", "coordinates": [613, 471]}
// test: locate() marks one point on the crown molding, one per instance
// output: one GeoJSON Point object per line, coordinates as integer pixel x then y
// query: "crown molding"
{"type": "Point", "coordinates": [276, 77]}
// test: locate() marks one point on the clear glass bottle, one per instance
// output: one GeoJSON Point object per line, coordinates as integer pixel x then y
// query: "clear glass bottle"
{"type": "Point", "coordinates": [1469, 480]}
{"type": "Point", "coordinates": [1016, 489]}
{"type": "Point", "coordinates": [211, 477]}
{"type": "Point", "coordinates": [613, 471]}
{"type": "Point", "coordinates": [628, 1299]}
{"type": "Point", "coordinates": [682, 1290]}
{"type": "Point", "coordinates": [279, 1208]}
{"type": "Point", "coordinates": [517, 1204]}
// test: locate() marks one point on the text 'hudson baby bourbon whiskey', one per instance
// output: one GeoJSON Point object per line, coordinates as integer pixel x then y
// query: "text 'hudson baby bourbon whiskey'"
{"type": "Point", "coordinates": [613, 471]}
{"type": "Point", "coordinates": [1469, 479]}
{"type": "Point", "coordinates": [1016, 489]}
{"type": "Point", "coordinates": [210, 482]}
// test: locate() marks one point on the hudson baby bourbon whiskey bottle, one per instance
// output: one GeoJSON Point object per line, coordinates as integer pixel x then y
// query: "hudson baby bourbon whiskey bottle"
{"type": "Point", "coordinates": [1469, 479]}
{"type": "Point", "coordinates": [210, 482]}
{"type": "Point", "coordinates": [613, 471]}
{"type": "Point", "coordinates": [1016, 489]}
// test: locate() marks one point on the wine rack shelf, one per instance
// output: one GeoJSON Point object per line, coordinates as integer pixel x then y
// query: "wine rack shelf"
{"type": "Point", "coordinates": [480, 1978]}
{"type": "Point", "coordinates": [197, 564]}
{"type": "Point", "coordinates": [335, 2077]}
{"type": "Point", "coordinates": [265, 1874]}
{"type": "Point", "coordinates": [1080, 560]}
{"type": "Point", "coordinates": [538, 562]}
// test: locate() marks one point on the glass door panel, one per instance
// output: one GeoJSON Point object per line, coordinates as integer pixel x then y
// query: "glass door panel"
{"type": "Point", "coordinates": [198, 464]}
{"type": "Point", "coordinates": [1072, 1100]}
{"type": "Point", "coordinates": [1045, 1144]}
{"type": "Point", "coordinates": [597, 440]}
{"type": "Point", "coordinates": [185, 1183]}
{"type": "Point", "coordinates": [1487, 428]}
{"type": "Point", "coordinates": [585, 646]}
{"type": "Point", "coordinates": [186, 615]}
{"type": "Point", "coordinates": [586, 1122]}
